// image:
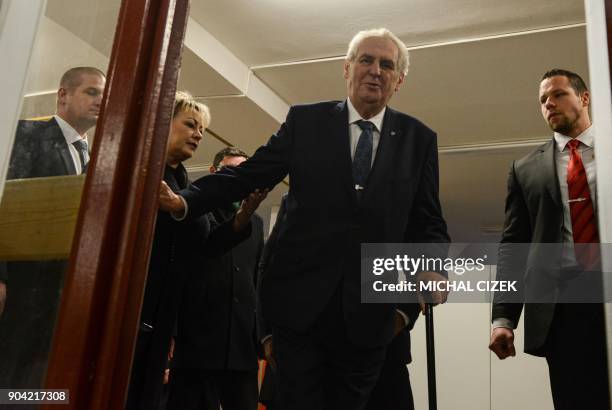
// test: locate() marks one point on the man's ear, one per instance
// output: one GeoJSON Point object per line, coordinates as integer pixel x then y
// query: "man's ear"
{"type": "Point", "coordinates": [212, 169]}
{"type": "Point", "coordinates": [399, 82]}
{"type": "Point", "coordinates": [346, 69]}
{"type": "Point", "coordinates": [585, 97]}
{"type": "Point", "coordinates": [61, 96]}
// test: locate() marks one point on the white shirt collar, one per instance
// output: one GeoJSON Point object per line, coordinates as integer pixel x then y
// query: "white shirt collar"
{"type": "Point", "coordinates": [354, 116]}
{"type": "Point", "coordinates": [69, 132]}
{"type": "Point", "coordinates": [587, 138]}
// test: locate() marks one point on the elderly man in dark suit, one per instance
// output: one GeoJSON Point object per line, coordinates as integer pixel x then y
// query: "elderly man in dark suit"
{"type": "Point", "coordinates": [551, 199]}
{"type": "Point", "coordinates": [42, 149]}
{"type": "Point", "coordinates": [360, 172]}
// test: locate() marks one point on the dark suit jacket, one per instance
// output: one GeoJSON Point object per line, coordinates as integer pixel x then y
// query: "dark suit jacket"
{"type": "Point", "coordinates": [534, 214]}
{"type": "Point", "coordinates": [400, 348]}
{"type": "Point", "coordinates": [216, 323]}
{"type": "Point", "coordinates": [318, 247]}
{"type": "Point", "coordinates": [40, 150]}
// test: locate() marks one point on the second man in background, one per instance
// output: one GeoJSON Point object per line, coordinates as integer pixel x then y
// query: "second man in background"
{"type": "Point", "coordinates": [215, 358]}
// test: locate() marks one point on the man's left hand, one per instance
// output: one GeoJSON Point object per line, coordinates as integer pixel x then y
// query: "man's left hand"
{"type": "Point", "coordinates": [247, 208]}
{"type": "Point", "coordinates": [437, 296]}
{"type": "Point", "coordinates": [400, 323]}
{"type": "Point", "coordinates": [269, 352]}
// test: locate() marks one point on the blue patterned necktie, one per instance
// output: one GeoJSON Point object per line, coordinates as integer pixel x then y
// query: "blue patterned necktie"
{"type": "Point", "coordinates": [362, 161]}
{"type": "Point", "coordinates": [81, 147]}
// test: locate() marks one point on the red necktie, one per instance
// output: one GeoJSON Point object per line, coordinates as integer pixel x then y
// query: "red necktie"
{"type": "Point", "coordinates": [584, 228]}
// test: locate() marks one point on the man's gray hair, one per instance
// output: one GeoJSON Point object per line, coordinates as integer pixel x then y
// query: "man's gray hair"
{"type": "Point", "coordinates": [402, 51]}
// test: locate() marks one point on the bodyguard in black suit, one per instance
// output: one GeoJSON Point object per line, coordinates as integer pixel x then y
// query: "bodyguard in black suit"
{"type": "Point", "coordinates": [540, 209]}
{"type": "Point", "coordinates": [330, 347]}
{"type": "Point", "coordinates": [43, 149]}
{"type": "Point", "coordinates": [215, 356]}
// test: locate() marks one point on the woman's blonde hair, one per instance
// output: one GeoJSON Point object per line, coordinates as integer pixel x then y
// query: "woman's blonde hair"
{"type": "Point", "coordinates": [184, 101]}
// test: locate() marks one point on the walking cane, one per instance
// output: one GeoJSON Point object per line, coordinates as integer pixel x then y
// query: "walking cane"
{"type": "Point", "coordinates": [431, 357]}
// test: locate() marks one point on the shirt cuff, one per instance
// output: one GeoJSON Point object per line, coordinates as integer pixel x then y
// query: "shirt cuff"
{"type": "Point", "coordinates": [266, 337]}
{"type": "Point", "coordinates": [403, 315]}
{"type": "Point", "coordinates": [503, 322]}
{"type": "Point", "coordinates": [179, 216]}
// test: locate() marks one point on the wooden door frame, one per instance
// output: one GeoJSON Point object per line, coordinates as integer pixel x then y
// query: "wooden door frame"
{"type": "Point", "coordinates": [98, 319]}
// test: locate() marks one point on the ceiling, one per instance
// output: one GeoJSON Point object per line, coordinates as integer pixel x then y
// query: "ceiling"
{"type": "Point", "coordinates": [474, 74]}
{"type": "Point", "coordinates": [265, 32]}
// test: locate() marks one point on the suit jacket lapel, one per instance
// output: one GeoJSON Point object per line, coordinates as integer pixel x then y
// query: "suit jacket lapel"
{"type": "Point", "coordinates": [389, 137]}
{"type": "Point", "coordinates": [340, 141]}
{"type": "Point", "coordinates": [549, 172]}
{"type": "Point", "coordinates": [60, 145]}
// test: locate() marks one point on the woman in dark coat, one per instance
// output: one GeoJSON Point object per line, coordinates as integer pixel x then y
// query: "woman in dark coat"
{"type": "Point", "coordinates": [176, 249]}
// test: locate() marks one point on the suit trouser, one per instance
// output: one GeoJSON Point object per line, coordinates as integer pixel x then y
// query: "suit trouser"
{"type": "Point", "coordinates": [392, 390]}
{"type": "Point", "coordinates": [197, 389]}
{"type": "Point", "coordinates": [577, 357]}
{"type": "Point", "coordinates": [321, 369]}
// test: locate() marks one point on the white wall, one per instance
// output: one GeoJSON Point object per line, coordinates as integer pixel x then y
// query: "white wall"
{"type": "Point", "coordinates": [469, 376]}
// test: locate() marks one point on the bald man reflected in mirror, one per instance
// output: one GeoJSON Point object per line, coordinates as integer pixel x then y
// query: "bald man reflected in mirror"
{"type": "Point", "coordinates": [44, 148]}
